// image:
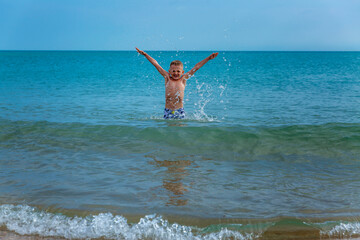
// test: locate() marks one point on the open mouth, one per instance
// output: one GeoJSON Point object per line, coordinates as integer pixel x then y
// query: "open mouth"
{"type": "Point", "coordinates": [175, 76]}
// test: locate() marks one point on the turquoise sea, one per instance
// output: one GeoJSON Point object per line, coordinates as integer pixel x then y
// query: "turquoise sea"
{"type": "Point", "coordinates": [270, 146]}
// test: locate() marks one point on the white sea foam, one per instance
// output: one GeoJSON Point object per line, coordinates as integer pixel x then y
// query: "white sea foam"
{"type": "Point", "coordinates": [343, 230]}
{"type": "Point", "coordinates": [24, 219]}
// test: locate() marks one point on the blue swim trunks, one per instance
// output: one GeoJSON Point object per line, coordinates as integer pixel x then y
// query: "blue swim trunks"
{"type": "Point", "coordinates": [174, 114]}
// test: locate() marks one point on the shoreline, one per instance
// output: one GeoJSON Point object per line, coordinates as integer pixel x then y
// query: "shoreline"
{"type": "Point", "coordinates": [281, 228]}
{"type": "Point", "coordinates": [9, 235]}
{"type": "Point", "coordinates": [274, 234]}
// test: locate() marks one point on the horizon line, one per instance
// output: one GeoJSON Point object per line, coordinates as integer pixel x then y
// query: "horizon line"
{"type": "Point", "coordinates": [75, 50]}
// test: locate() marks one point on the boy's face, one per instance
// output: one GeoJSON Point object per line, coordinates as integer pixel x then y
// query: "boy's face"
{"type": "Point", "coordinates": [176, 72]}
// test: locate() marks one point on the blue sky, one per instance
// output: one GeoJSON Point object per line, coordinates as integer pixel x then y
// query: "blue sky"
{"type": "Point", "coordinates": [180, 25]}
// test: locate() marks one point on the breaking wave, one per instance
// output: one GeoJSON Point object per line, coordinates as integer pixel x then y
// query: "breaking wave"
{"type": "Point", "coordinates": [24, 219]}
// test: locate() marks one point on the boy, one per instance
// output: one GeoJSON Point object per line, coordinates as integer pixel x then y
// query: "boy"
{"type": "Point", "coordinates": [175, 81]}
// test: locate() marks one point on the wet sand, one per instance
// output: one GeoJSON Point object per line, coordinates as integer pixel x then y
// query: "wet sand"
{"type": "Point", "coordinates": [271, 234]}
{"type": "Point", "coordinates": [6, 235]}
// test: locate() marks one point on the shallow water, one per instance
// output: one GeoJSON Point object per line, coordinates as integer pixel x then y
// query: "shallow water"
{"type": "Point", "coordinates": [268, 135]}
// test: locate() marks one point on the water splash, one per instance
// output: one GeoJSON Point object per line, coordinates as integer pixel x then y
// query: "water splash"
{"type": "Point", "coordinates": [205, 92]}
{"type": "Point", "coordinates": [222, 89]}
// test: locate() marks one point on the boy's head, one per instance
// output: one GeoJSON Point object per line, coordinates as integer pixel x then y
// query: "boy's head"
{"type": "Point", "coordinates": [176, 70]}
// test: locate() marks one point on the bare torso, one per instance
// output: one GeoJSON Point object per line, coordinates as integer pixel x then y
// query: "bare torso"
{"type": "Point", "coordinates": [174, 93]}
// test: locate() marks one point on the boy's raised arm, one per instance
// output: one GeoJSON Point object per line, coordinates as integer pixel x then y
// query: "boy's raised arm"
{"type": "Point", "coordinates": [199, 65]}
{"type": "Point", "coordinates": [153, 62]}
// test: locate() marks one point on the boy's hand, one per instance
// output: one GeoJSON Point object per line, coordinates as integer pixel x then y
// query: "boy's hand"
{"type": "Point", "coordinates": [141, 52]}
{"type": "Point", "coordinates": [212, 56]}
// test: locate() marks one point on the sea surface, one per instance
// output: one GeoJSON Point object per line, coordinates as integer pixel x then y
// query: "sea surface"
{"type": "Point", "coordinates": [271, 142]}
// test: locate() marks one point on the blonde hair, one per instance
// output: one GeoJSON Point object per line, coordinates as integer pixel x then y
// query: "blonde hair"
{"type": "Point", "coordinates": [177, 63]}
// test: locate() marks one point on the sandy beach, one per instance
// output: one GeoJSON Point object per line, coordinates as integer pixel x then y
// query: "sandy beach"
{"type": "Point", "coordinates": [6, 235]}
{"type": "Point", "coordinates": [274, 233]}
